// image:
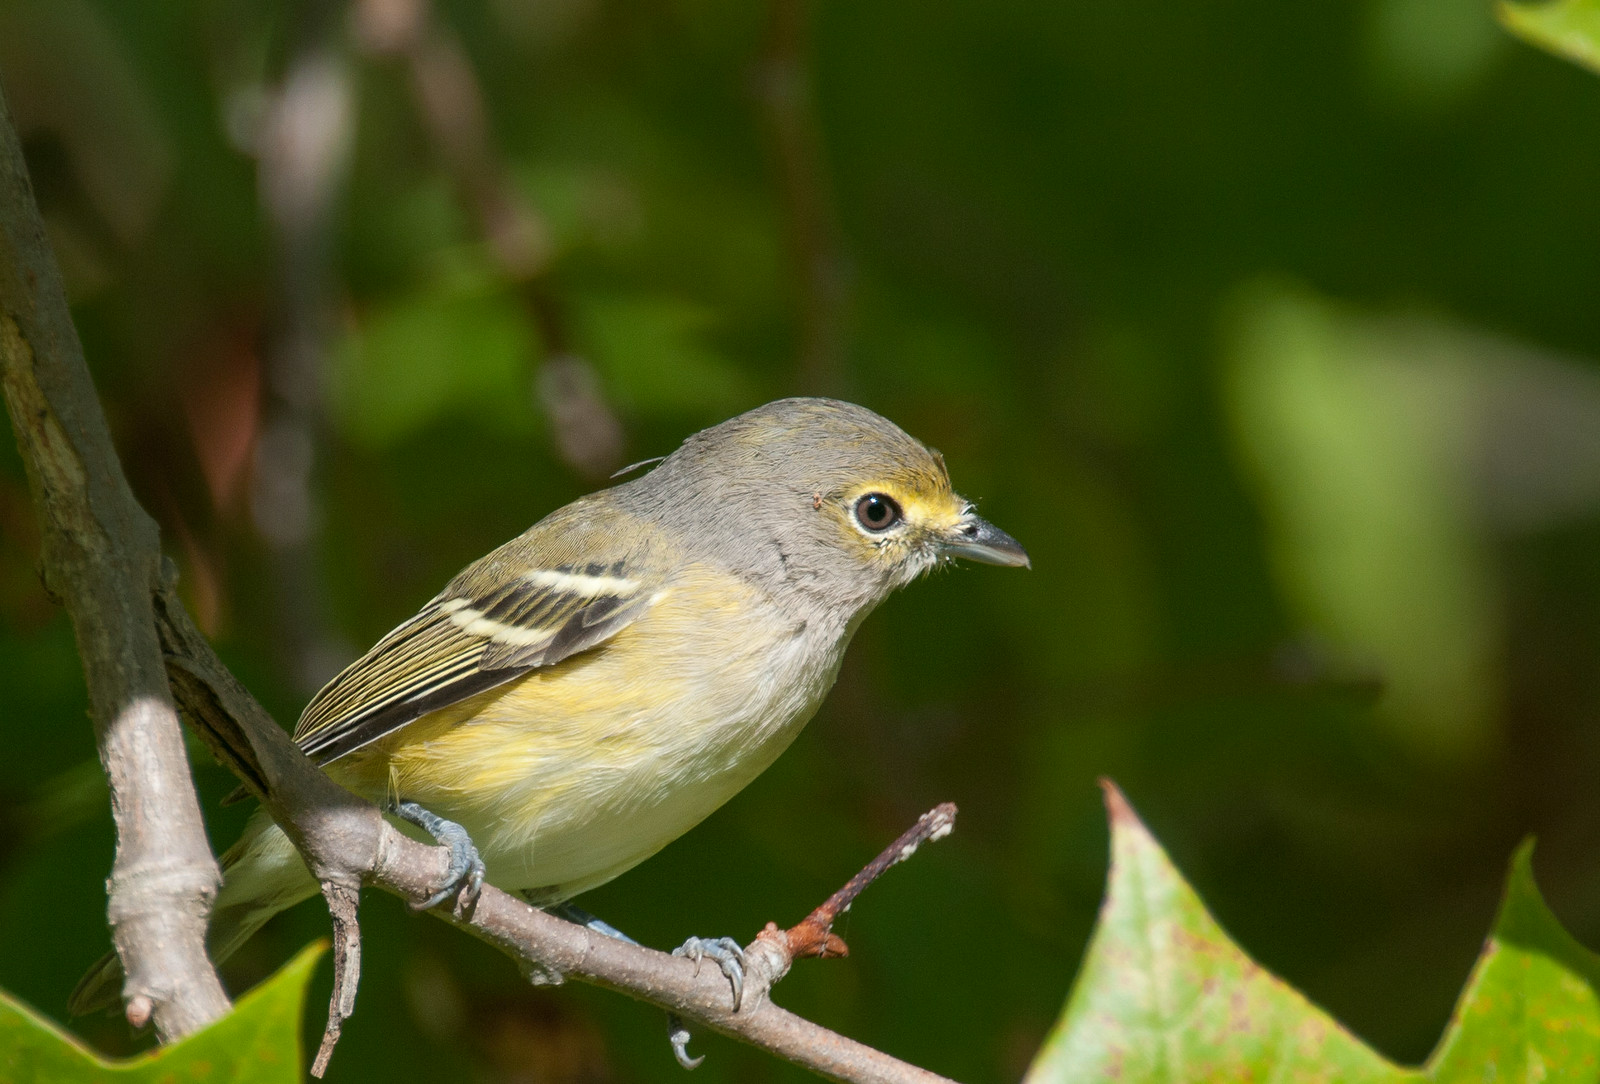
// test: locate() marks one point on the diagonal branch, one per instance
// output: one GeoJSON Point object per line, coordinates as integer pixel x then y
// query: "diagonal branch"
{"type": "Point", "coordinates": [346, 841]}
{"type": "Point", "coordinates": [101, 558]}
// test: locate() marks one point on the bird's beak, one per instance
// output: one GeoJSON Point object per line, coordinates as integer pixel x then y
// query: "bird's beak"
{"type": "Point", "coordinates": [979, 540]}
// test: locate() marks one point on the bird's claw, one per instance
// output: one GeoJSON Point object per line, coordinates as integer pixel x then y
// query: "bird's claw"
{"type": "Point", "coordinates": [678, 1035]}
{"type": "Point", "coordinates": [728, 955]}
{"type": "Point", "coordinates": [464, 875]}
{"type": "Point", "coordinates": [677, 1032]}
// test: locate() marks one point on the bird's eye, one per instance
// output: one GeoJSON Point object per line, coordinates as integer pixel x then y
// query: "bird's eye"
{"type": "Point", "coordinates": [877, 512]}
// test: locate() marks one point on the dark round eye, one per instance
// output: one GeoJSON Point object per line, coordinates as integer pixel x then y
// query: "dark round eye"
{"type": "Point", "coordinates": [877, 512]}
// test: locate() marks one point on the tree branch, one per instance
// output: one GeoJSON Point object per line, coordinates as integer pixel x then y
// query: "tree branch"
{"type": "Point", "coordinates": [346, 841]}
{"type": "Point", "coordinates": [101, 558]}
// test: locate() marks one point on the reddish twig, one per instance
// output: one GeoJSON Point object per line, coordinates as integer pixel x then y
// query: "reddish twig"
{"type": "Point", "coordinates": [813, 935]}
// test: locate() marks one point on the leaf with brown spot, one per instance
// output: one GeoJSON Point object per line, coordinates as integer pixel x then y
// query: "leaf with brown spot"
{"type": "Point", "coordinates": [1531, 1009]}
{"type": "Point", "coordinates": [1164, 995]}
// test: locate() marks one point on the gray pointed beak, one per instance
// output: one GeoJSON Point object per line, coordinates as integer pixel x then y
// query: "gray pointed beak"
{"type": "Point", "coordinates": [979, 540]}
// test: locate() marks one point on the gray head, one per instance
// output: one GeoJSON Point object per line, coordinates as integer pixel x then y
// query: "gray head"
{"type": "Point", "coordinates": [821, 495]}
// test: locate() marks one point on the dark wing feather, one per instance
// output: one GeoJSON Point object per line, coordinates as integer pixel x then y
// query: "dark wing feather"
{"type": "Point", "coordinates": [499, 619]}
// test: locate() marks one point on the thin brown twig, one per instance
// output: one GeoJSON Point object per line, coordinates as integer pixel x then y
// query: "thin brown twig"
{"type": "Point", "coordinates": [813, 935]}
{"type": "Point", "coordinates": [342, 904]}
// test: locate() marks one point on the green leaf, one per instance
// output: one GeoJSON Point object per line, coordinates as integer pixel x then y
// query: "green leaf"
{"type": "Point", "coordinates": [1567, 28]}
{"type": "Point", "coordinates": [1164, 995]}
{"type": "Point", "coordinates": [257, 1043]}
{"type": "Point", "coordinates": [1530, 1010]}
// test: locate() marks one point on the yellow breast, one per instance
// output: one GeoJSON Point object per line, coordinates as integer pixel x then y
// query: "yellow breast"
{"type": "Point", "coordinates": [571, 775]}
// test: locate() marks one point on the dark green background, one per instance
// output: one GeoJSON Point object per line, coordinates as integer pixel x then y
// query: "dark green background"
{"type": "Point", "coordinates": [1068, 239]}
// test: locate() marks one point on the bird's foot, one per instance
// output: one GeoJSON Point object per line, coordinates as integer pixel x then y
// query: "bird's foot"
{"type": "Point", "coordinates": [677, 1033]}
{"type": "Point", "coordinates": [464, 875]}
{"type": "Point", "coordinates": [726, 953]}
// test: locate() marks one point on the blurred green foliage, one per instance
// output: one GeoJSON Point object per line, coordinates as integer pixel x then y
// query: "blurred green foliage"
{"type": "Point", "coordinates": [1569, 28]}
{"type": "Point", "coordinates": [1269, 329]}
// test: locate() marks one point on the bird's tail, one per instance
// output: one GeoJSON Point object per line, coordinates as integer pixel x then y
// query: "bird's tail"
{"type": "Point", "coordinates": [262, 874]}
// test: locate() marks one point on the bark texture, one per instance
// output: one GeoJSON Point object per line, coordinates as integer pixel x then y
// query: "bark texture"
{"type": "Point", "coordinates": [101, 558]}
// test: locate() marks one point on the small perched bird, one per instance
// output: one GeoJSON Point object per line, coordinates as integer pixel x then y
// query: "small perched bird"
{"type": "Point", "coordinates": [582, 696]}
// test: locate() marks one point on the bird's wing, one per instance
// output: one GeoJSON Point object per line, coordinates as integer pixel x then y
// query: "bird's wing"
{"type": "Point", "coordinates": [509, 613]}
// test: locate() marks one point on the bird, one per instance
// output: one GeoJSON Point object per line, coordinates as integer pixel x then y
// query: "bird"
{"type": "Point", "coordinates": [580, 697]}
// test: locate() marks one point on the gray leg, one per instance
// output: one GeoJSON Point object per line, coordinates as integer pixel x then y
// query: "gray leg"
{"type": "Point", "coordinates": [465, 873]}
{"type": "Point", "coordinates": [677, 1033]}
{"type": "Point", "coordinates": [578, 916]}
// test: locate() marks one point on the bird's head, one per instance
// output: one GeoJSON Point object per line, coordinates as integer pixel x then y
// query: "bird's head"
{"type": "Point", "coordinates": [826, 496]}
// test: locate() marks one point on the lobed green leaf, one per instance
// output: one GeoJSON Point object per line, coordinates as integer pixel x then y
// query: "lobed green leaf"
{"type": "Point", "coordinates": [1165, 995]}
{"type": "Point", "coordinates": [1530, 1010]}
{"type": "Point", "coordinates": [257, 1043]}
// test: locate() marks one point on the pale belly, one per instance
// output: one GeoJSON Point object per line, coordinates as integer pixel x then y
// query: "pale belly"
{"type": "Point", "coordinates": [576, 774]}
